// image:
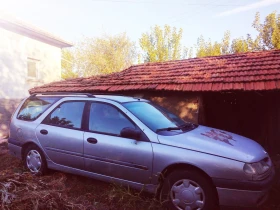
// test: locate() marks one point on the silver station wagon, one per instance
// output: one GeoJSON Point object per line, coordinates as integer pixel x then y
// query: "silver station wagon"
{"type": "Point", "coordinates": [136, 143]}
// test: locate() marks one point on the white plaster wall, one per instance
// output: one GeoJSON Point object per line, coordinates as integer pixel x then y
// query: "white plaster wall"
{"type": "Point", "coordinates": [14, 51]}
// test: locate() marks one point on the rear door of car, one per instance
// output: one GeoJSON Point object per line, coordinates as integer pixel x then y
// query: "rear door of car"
{"type": "Point", "coordinates": [107, 153]}
{"type": "Point", "coordinates": [61, 134]}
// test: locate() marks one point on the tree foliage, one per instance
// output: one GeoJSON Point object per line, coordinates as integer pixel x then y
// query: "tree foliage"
{"type": "Point", "coordinates": [207, 48]}
{"type": "Point", "coordinates": [67, 65]}
{"type": "Point", "coordinates": [188, 52]}
{"type": "Point", "coordinates": [107, 54]}
{"type": "Point", "coordinates": [269, 31]}
{"type": "Point", "coordinates": [241, 45]}
{"type": "Point", "coordinates": [97, 56]}
{"type": "Point", "coordinates": [268, 38]}
{"type": "Point", "coordinates": [161, 44]}
{"type": "Point", "coordinates": [104, 55]}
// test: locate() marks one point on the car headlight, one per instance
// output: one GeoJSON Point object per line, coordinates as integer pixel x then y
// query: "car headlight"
{"type": "Point", "coordinates": [259, 170]}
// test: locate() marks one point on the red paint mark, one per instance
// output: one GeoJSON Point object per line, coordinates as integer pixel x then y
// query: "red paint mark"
{"type": "Point", "coordinates": [219, 136]}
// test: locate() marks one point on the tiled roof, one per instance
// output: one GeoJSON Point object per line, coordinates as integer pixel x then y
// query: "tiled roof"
{"type": "Point", "coordinates": [246, 71]}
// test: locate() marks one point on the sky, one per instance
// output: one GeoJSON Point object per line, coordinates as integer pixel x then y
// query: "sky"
{"type": "Point", "coordinates": [73, 20]}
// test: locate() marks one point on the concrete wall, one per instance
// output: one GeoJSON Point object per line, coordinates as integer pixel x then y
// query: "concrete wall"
{"type": "Point", "coordinates": [15, 50]}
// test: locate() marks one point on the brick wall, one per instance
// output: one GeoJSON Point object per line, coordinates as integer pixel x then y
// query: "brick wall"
{"type": "Point", "coordinates": [7, 107]}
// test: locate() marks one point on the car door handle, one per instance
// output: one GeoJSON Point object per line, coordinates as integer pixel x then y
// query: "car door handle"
{"type": "Point", "coordinates": [44, 132]}
{"type": "Point", "coordinates": [92, 140]}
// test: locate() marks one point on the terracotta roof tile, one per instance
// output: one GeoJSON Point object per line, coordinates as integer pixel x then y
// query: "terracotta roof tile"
{"type": "Point", "coordinates": [270, 85]}
{"type": "Point", "coordinates": [259, 86]}
{"type": "Point", "coordinates": [197, 87]}
{"type": "Point", "coordinates": [187, 87]}
{"type": "Point", "coordinates": [216, 86]}
{"type": "Point", "coordinates": [206, 87]}
{"type": "Point", "coordinates": [277, 84]}
{"type": "Point", "coordinates": [246, 71]}
{"type": "Point", "coordinates": [249, 86]}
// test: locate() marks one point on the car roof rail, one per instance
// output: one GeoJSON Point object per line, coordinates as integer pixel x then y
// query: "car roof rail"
{"type": "Point", "coordinates": [108, 93]}
{"type": "Point", "coordinates": [90, 95]}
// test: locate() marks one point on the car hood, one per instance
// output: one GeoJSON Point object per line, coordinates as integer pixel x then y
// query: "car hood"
{"type": "Point", "coordinates": [217, 142]}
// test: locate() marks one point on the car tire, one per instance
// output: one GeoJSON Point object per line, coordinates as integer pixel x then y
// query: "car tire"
{"type": "Point", "coordinates": [188, 189]}
{"type": "Point", "coordinates": [34, 160]}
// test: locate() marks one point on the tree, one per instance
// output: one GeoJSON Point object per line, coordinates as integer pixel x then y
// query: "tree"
{"type": "Point", "coordinates": [269, 31]}
{"type": "Point", "coordinates": [188, 52]}
{"type": "Point", "coordinates": [225, 45]}
{"type": "Point", "coordinates": [205, 48]}
{"type": "Point", "coordinates": [240, 45]}
{"type": "Point", "coordinates": [268, 38]}
{"type": "Point", "coordinates": [97, 56]}
{"type": "Point", "coordinates": [67, 65]}
{"type": "Point", "coordinates": [161, 44]}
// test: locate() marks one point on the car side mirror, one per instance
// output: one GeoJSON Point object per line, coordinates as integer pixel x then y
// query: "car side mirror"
{"type": "Point", "coordinates": [130, 133]}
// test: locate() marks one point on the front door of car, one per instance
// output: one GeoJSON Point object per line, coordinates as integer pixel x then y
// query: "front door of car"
{"type": "Point", "coordinates": [61, 135]}
{"type": "Point", "coordinates": [107, 153]}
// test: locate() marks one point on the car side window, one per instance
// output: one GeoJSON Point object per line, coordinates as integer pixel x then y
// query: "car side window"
{"type": "Point", "coordinates": [68, 114]}
{"type": "Point", "coordinates": [105, 118]}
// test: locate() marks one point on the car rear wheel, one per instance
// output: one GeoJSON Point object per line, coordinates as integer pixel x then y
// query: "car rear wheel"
{"type": "Point", "coordinates": [34, 160]}
{"type": "Point", "coordinates": [188, 190]}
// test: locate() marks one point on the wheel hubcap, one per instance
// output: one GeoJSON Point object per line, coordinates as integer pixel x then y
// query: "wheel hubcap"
{"type": "Point", "coordinates": [187, 195]}
{"type": "Point", "coordinates": [34, 161]}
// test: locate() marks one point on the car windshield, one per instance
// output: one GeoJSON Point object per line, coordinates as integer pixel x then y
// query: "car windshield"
{"type": "Point", "coordinates": [155, 117]}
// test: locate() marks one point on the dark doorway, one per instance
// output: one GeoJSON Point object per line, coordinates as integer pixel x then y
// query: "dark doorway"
{"type": "Point", "coordinates": [250, 114]}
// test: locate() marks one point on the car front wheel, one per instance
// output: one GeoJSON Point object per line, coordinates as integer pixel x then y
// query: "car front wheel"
{"type": "Point", "coordinates": [188, 190]}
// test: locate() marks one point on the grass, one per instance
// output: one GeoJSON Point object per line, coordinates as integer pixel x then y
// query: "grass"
{"type": "Point", "coordinates": [20, 190]}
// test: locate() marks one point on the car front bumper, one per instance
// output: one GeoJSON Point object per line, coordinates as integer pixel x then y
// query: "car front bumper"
{"type": "Point", "coordinates": [244, 193]}
{"type": "Point", "coordinates": [241, 198]}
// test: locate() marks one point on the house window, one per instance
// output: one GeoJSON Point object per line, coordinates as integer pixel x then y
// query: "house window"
{"type": "Point", "coordinates": [32, 68]}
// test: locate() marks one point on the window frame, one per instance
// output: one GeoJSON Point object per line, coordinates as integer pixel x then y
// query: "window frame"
{"type": "Point", "coordinates": [61, 126]}
{"type": "Point", "coordinates": [87, 118]}
{"type": "Point", "coordinates": [36, 61]}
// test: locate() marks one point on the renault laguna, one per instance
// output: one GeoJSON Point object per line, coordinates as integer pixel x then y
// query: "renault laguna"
{"type": "Point", "coordinates": [137, 143]}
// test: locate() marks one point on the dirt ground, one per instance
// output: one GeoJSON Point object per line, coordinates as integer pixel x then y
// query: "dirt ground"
{"type": "Point", "coordinates": [21, 190]}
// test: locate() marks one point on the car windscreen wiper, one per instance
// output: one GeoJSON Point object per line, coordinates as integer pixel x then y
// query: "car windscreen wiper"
{"type": "Point", "coordinates": [187, 124]}
{"type": "Point", "coordinates": [168, 129]}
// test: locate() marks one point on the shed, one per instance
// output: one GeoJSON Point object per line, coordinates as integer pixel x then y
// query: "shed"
{"type": "Point", "coordinates": [238, 92]}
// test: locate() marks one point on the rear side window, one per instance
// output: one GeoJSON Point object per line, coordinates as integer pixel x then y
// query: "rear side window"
{"type": "Point", "coordinates": [68, 115]}
{"type": "Point", "coordinates": [33, 107]}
